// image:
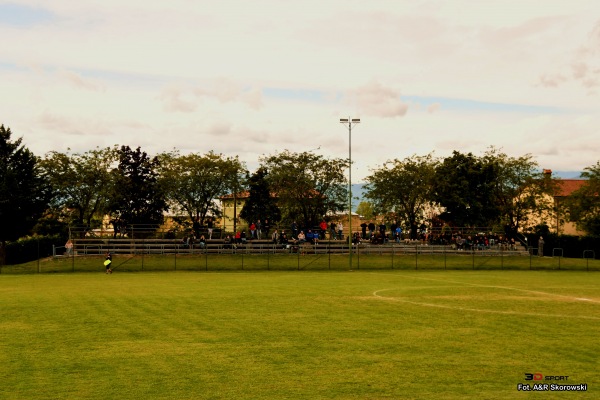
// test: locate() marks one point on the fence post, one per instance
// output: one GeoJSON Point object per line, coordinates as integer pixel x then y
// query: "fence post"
{"type": "Point", "coordinates": [587, 259]}
{"type": "Point", "coordinates": [416, 257]}
{"type": "Point", "coordinates": [444, 256]}
{"type": "Point", "coordinates": [358, 255]}
{"type": "Point", "coordinates": [176, 258]}
{"type": "Point", "coordinates": [554, 251]}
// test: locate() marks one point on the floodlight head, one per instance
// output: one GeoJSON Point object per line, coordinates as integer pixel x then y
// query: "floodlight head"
{"type": "Point", "coordinates": [356, 120]}
{"type": "Point", "coordinates": [343, 119]}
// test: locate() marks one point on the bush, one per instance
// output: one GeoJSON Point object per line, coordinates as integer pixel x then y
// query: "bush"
{"type": "Point", "coordinates": [31, 248]}
{"type": "Point", "coordinates": [572, 246]}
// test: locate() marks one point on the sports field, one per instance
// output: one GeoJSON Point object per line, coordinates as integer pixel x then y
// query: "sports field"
{"type": "Point", "coordinates": [398, 334]}
{"type": "Point", "coordinates": [303, 262]}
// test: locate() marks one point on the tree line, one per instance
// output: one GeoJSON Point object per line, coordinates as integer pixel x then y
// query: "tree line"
{"type": "Point", "coordinates": [42, 195]}
{"type": "Point", "coordinates": [492, 190]}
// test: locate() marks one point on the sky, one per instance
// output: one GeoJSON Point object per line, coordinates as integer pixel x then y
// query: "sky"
{"type": "Point", "coordinates": [253, 78]}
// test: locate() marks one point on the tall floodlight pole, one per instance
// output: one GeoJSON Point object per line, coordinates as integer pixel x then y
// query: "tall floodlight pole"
{"type": "Point", "coordinates": [349, 122]}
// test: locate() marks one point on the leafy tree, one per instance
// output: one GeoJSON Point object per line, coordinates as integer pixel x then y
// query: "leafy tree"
{"type": "Point", "coordinates": [24, 194]}
{"type": "Point", "coordinates": [365, 209]}
{"type": "Point", "coordinates": [519, 189]}
{"type": "Point", "coordinates": [81, 182]}
{"type": "Point", "coordinates": [261, 203]}
{"type": "Point", "coordinates": [492, 189]}
{"type": "Point", "coordinates": [193, 182]}
{"type": "Point", "coordinates": [236, 183]}
{"type": "Point", "coordinates": [307, 185]}
{"type": "Point", "coordinates": [51, 224]}
{"type": "Point", "coordinates": [464, 184]}
{"type": "Point", "coordinates": [136, 197]}
{"type": "Point", "coordinates": [584, 204]}
{"type": "Point", "coordinates": [403, 188]}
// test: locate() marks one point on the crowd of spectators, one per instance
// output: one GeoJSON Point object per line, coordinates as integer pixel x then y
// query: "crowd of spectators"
{"type": "Point", "coordinates": [368, 232]}
{"type": "Point", "coordinates": [478, 241]}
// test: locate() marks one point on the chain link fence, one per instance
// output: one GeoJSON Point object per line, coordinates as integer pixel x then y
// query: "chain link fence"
{"type": "Point", "coordinates": [141, 255]}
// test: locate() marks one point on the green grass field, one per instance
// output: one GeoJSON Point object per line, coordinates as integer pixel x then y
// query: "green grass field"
{"type": "Point", "coordinates": [297, 334]}
{"type": "Point", "coordinates": [305, 262]}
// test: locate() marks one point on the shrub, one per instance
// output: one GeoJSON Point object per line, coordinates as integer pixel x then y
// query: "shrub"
{"type": "Point", "coordinates": [31, 248]}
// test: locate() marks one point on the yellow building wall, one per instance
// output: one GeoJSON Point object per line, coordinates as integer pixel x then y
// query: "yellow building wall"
{"type": "Point", "coordinates": [565, 227]}
{"type": "Point", "coordinates": [555, 220]}
{"type": "Point", "coordinates": [227, 207]}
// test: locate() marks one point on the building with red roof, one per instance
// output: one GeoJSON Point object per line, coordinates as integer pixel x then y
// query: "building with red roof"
{"type": "Point", "coordinates": [564, 188]}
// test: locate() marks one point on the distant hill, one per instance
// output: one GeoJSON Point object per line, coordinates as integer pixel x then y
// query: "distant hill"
{"type": "Point", "coordinates": [358, 192]}
{"type": "Point", "coordinates": [567, 174]}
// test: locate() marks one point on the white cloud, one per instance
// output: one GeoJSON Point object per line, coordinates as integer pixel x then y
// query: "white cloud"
{"type": "Point", "coordinates": [551, 81]}
{"type": "Point", "coordinates": [220, 128]}
{"type": "Point", "coordinates": [433, 107]}
{"type": "Point", "coordinates": [226, 90]}
{"type": "Point", "coordinates": [582, 65]}
{"type": "Point", "coordinates": [375, 99]}
{"type": "Point", "coordinates": [196, 75]}
{"type": "Point", "coordinates": [175, 100]}
{"type": "Point", "coordinates": [78, 81]}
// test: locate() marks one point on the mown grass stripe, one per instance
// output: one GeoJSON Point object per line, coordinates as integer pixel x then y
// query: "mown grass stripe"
{"type": "Point", "coordinates": [265, 335]}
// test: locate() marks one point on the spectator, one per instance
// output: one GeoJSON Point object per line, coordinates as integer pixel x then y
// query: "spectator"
{"type": "Point", "coordinates": [301, 237]}
{"type": "Point", "coordinates": [371, 227]}
{"type": "Point", "coordinates": [312, 237]}
{"type": "Point", "coordinates": [323, 226]}
{"type": "Point", "coordinates": [228, 242]}
{"type": "Point", "coordinates": [283, 239]}
{"type": "Point", "coordinates": [209, 224]}
{"type": "Point", "coordinates": [398, 234]}
{"type": "Point", "coordinates": [68, 248]}
{"type": "Point", "coordinates": [258, 229]}
{"type": "Point", "coordinates": [382, 229]}
{"type": "Point", "coordinates": [363, 229]}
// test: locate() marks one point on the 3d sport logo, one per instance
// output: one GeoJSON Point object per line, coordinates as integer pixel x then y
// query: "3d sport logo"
{"type": "Point", "coordinates": [537, 385]}
{"type": "Point", "coordinates": [540, 377]}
